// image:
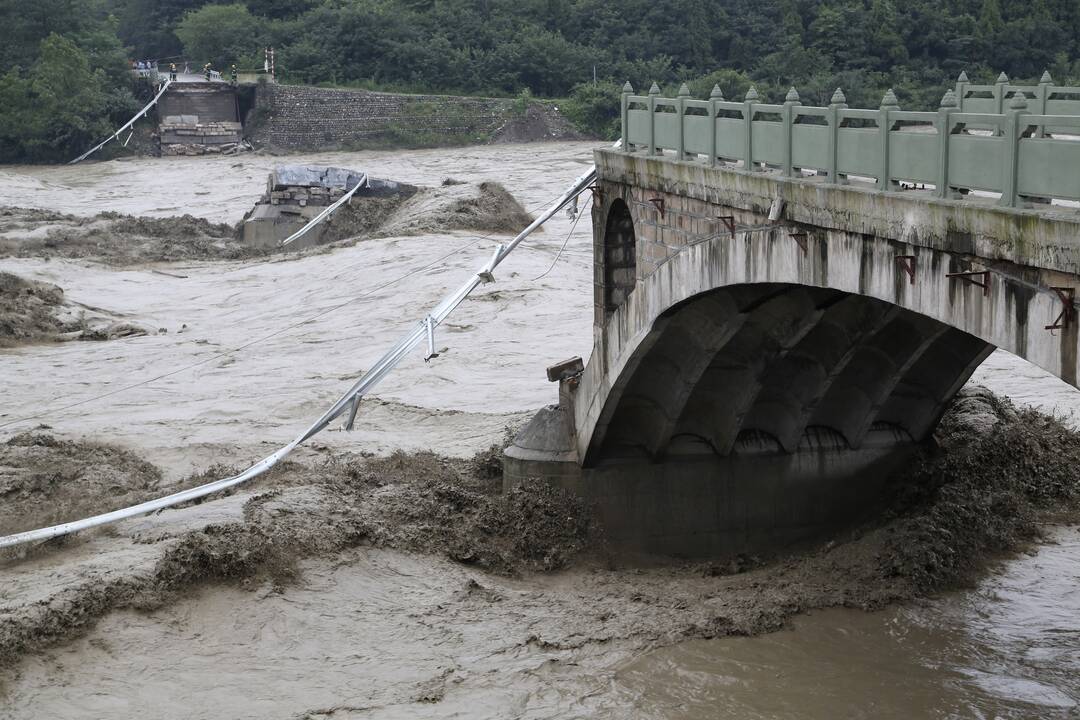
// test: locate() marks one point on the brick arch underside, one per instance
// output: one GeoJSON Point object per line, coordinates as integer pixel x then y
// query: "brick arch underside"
{"type": "Point", "coordinates": [783, 367]}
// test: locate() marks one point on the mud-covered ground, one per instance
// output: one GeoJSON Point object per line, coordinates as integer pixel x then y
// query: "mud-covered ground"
{"type": "Point", "coordinates": [116, 239]}
{"type": "Point", "coordinates": [36, 312]}
{"type": "Point", "coordinates": [28, 311]}
{"type": "Point", "coordinates": [541, 122]}
{"type": "Point", "coordinates": [965, 507]}
{"type": "Point", "coordinates": [452, 207]}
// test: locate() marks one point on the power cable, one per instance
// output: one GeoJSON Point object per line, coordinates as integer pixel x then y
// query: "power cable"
{"type": "Point", "coordinates": [561, 249]}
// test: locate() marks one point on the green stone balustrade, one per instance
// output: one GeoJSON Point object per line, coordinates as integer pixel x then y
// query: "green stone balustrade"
{"type": "Point", "coordinates": [1020, 141]}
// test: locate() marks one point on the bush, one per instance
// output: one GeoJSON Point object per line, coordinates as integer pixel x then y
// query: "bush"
{"type": "Point", "coordinates": [595, 109]}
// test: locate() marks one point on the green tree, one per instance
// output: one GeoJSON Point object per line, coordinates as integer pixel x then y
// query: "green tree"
{"type": "Point", "coordinates": [222, 35]}
{"type": "Point", "coordinates": [595, 108]}
{"type": "Point", "coordinates": [147, 26]}
{"type": "Point", "coordinates": [886, 44]}
{"type": "Point", "coordinates": [58, 109]}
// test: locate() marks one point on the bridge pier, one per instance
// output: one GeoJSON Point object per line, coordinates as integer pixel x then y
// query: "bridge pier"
{"type": "Point", "coordinates": [757, 500]}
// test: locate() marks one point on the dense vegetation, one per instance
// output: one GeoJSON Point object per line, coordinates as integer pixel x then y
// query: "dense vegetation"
{"type": "Point", "coordinates": [62, 79]}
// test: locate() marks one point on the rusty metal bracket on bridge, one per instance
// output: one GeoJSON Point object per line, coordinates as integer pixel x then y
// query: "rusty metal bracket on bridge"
{"type": "Point", "coordinates": [801, 239]}
{"type": "Point", "coordinates": [598, 195]}
{"type": "Point", "coordinates": [907, 264]}
{"type": "Point", "coordinates": [1068, 310]}
{"type": "Point", "coordinates": [660, 204]}
{"type": "Point", "coordinates": [969, 277]}
{"type": "Point", "coordinates": [729, 222]}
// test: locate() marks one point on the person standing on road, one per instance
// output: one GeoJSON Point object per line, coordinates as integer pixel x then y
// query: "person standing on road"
{"type": "Point", "coordinates": [206, 71]}
{"type": "Point", "coordinates": [172, 71]}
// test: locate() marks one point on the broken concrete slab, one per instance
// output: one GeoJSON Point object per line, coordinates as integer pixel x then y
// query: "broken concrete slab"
{"type": "Point", "coordinates": [297, 193]}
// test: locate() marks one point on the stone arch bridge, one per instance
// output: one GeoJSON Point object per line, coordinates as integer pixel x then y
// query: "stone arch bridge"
{"type": "Point", "coordinates": [781, 317]}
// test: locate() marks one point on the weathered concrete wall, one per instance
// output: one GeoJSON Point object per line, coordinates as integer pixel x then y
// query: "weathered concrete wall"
{"type": "Point", "coordinates": [1013, 316]}
{"type": "Point", "coordinates": [853, 238]}
{"type": "Point", "coordinates": [202, 102]}
{"type": "Point", "coordinates": [291, 117]}
{"type": "Point", "coordinates": [1040, 239]}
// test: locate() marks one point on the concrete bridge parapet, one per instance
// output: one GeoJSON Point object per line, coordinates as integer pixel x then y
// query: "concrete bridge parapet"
{"type": "Point", "coordinates": [967, 146]}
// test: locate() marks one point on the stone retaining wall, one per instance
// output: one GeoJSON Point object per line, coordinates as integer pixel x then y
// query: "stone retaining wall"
{"type": "Point", "coordinates": [290, 117]}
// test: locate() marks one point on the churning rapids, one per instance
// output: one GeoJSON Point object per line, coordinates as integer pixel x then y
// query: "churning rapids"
{"type": "Point", "coordinates": [384, 632]}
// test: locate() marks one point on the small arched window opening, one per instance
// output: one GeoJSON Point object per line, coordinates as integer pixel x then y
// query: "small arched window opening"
{"type": "Point", "coordinates": [620, 256]}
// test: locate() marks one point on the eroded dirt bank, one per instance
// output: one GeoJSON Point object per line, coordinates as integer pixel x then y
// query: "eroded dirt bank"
{"type": "Point", "coordinates": [1001, 472]}
{"type": "Point", "coordinates": [116, 239]}
{"type": "Point", "coordinates": [37, 312]}
{"type": "Point", "coordinates": [120, 240]}
{"type": "Point", "coordinates": [28, 311]}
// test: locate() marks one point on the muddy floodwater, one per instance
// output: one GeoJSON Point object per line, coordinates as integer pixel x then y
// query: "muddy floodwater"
{"type": "Point", "coordinates": [1010, 649]}
{"type": "Point", "coordinates": [389, 634]}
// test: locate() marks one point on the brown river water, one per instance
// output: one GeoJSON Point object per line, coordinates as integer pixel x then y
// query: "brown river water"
{"type": "Point", "coordinates": [376, 633]}
{"type": "Point", "coordinates": [1009, 649]}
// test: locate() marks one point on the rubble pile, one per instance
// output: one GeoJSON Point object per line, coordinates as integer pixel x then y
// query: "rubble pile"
{"type": "Point", "coordinates": [185, 135]}
{"type": "Point", "coordinates": [303, 185]}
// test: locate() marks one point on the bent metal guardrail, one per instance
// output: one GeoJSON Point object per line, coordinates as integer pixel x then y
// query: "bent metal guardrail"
{"type": "Point", "coordinates": [164, 86]}
{"type": "Point", "coordinates": [1016, 153]}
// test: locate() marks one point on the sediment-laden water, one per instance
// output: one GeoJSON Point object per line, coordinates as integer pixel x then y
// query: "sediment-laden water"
{"type": "Point", "coordinates": [1009, 649]}
{"type": "Point", "coordinates": [385, 633]}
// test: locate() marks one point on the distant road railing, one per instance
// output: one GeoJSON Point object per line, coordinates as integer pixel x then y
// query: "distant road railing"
{"type": "Point", "coordinates": [953, 151]}
{"type": "Point", "coordinates": [159, 73]}
{"type": "Point", "coordinates": [150, 72]}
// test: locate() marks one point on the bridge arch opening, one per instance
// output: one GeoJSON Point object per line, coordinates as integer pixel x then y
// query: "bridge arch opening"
{"type": "Point", "coordinates": [620, 256]}
{"type": "Point", "coordinates": [780, 368]}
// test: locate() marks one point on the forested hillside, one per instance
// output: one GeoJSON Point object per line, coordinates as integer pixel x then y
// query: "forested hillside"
{"type": "Point", "coordinates": [63, 60]}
